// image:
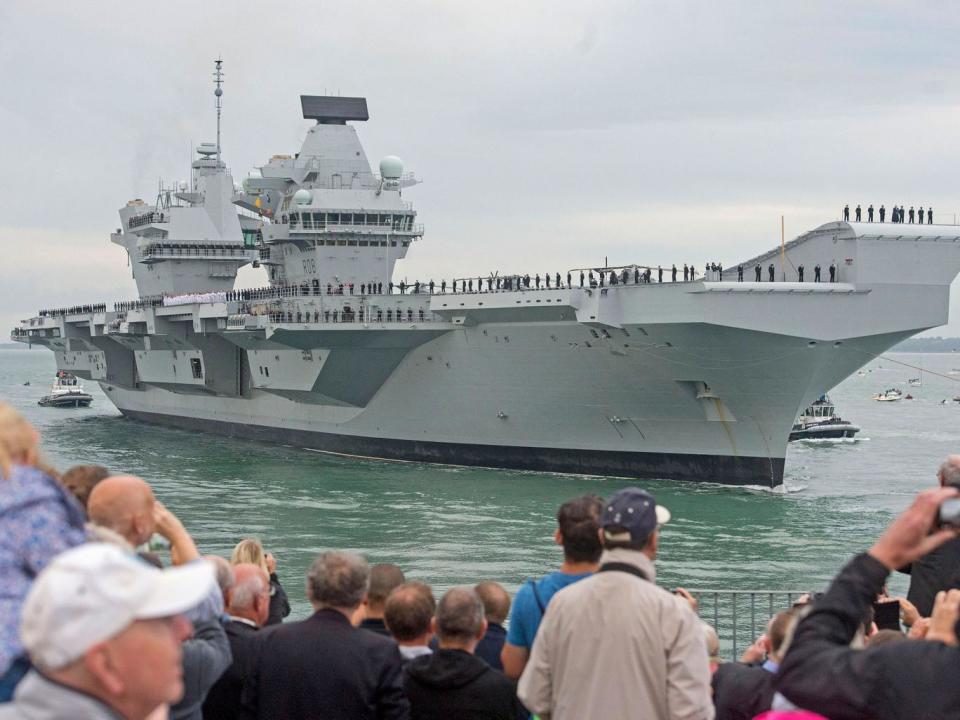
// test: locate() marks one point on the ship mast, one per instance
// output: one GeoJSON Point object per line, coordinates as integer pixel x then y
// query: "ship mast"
{"type": "Point", "coordinates": [218, 93]}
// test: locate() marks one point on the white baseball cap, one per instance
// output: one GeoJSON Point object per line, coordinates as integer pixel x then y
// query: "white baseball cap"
{"type": "Point", "coordinates": [90, 593]}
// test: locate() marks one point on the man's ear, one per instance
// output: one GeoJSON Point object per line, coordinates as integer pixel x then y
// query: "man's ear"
{"type": "Point", "coordinates": [98, 663]}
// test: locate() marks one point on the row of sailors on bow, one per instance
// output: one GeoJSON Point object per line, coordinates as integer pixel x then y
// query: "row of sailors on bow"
{"type": "Point", "coordinates": [74, 310]}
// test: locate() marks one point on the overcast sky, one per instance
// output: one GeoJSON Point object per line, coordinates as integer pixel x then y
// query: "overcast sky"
{"type": "Point", "coordinates": [548, 134]}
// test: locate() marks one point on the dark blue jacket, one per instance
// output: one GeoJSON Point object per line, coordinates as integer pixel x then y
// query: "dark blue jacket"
{"type": "Point", "coordinates": [490, 646]}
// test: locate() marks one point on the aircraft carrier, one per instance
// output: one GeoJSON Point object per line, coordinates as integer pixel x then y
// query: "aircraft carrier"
{"type": "Point", "coordinates": [616, 375]}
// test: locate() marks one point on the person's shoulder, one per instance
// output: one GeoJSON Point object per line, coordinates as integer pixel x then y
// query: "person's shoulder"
{"type": "Point", "coordinates": [737, 671]}
{"type": "Point", "coordinates": [556, 581]}
{"type": "Point", "coordinates": [523, 600]}
{"type": "Point", "coordinates": [235, 628]}
{"type": "Point", "coordinates": [26, 485]}
{"type": "Point", "coordinates": [286, 632]}
{"type": "Point", "coordinates": [573, 588]}
{"type": "Point", "coordinates": [375, 643]}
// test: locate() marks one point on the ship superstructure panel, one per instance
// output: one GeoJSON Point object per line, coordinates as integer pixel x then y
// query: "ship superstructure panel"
{"type": "Point", "coordinates": [334, 224]}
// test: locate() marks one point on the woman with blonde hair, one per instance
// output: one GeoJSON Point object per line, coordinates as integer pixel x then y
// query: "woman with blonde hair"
{"type": "Point", "coordinates": [38, 520]}
{"type": "Point", "coordinates": [251, 551]}
{"type": "Point", "coordinates": [19, 441]}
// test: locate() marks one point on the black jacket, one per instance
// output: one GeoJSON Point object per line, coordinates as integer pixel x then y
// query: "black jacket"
{"type": "Point", "coordinates": [895, 681]}
{"type": "Point", "coordinates": [455, 684]}
{"type": "Point", "coordinates": [375, 625]}
{"type": "Point", "coordinates": [279, 603]}
{"type": "Point", "coordinates": [940, 570]}
{"type": "Point", "coordinates": [488, 649]}
{"type": "Point", "coordinates": [223, 700]}
{"type": "Point", "coordinates": [741, 692]}
{"type": "Point", "coordinates": [323, 668]}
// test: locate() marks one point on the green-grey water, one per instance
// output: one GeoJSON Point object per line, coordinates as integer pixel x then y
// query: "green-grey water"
{"type": "Point", "coordinates": [451, 526]}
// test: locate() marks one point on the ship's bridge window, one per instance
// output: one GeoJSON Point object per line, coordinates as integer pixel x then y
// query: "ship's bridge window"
{"type": "Point", "coordinates": [330, 243]}
{"type": "Point", "coordinates": [294, 218]}
{"type": "Point", "coordinates": [393, 243]}
{"type": "Point", "coordinates": [406, 243]}
{"type": "Point", "coordinates": [352, 243]}
{"type": "Point", "coordinates": [318, 219]}
{"type": "Point", "coordinates": [333, 218]}
{"type": "Point", "coordinates": [383, 243]}
{"type": "Point", "coordinates": [364, 243]}
{"type": "Point", "coordinates": [196, 368]}
{"type": "Point", "coordinates": [341, 243]}
{"type": "Point", "coordinates": [346, 219]}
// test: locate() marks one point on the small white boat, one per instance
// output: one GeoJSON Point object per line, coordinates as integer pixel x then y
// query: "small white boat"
{"type": "Point", "coordinates": [890, 395]}
{"type": "Point", "coordinates": [66, 392]}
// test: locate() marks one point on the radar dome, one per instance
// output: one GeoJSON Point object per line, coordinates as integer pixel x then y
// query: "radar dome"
{"type": "Point", "coordinates": [391, 168]}
{"type": "Point", "coordinates": [303, 197]}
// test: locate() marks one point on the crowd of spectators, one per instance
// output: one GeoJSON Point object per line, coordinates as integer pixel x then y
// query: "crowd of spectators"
{"type": "Point", "coordinates": [98, 621]}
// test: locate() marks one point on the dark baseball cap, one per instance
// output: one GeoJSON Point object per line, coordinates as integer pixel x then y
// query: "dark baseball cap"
{"type": "Point", "coordinates": [636, 511]}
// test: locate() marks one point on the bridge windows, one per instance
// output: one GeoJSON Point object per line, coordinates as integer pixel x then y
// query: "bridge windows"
{"type": "Point", "coordinates": [196, 367]}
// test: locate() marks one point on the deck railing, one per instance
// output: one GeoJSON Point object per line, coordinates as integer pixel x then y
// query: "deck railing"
{"type": "Point", "coordinates": [741, 616]}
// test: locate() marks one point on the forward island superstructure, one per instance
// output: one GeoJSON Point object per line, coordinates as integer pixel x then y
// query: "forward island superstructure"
{"type": "Point", "coordinates": [698, 380]}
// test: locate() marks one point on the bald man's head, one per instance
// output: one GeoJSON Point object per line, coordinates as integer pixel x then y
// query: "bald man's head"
{"type": "Point", "coordinates": [950, 471]}
{"type": "Point", "coordinates": [124, 504]}
{"type": "Point", "coordinates": [495, 599]}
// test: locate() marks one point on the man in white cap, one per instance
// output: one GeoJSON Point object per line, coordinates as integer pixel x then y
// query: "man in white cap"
{"type": "Point", "coordinates": [614, 645]}
{"type": "Point", "coordinates": [103, 631]}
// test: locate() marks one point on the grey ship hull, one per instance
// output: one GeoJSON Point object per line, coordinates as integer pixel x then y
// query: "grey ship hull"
{"type": "Point", "coordinates": [707, 468]}
{"type": "Point", "coordinates": [694, 381]}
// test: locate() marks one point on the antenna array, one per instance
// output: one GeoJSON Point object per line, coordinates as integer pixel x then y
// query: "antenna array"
{"type": "Point", "coordinates": [218, 93]}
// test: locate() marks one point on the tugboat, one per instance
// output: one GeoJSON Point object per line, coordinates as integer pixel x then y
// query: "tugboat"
{"type": "Point", "coordinates": [66, 392]}
{"type": "Point", "coordinates": [890, 395]}
{"type": "Point", "coordinates": [819, 422]}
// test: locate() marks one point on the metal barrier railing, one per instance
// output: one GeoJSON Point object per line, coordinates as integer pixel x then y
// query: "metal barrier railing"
{"type": "Point", "coordinates": [741, 616]}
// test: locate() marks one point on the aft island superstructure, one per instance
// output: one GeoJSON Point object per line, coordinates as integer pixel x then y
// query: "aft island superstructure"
{"type": "Point", "coordinates": [697, 380]}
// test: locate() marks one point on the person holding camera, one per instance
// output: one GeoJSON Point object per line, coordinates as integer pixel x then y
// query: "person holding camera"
{"type": "Point", "coordinates": [822, 673]}
{"type": "Point", "coordinates": [940, 569]}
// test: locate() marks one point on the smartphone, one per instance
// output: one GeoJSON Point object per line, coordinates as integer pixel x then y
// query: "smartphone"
{"type": "Point", "coordinates": [887, 615]}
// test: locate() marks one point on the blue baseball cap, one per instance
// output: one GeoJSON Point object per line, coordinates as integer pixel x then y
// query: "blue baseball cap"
{"type": "Point", "coordinates": [636, 512]}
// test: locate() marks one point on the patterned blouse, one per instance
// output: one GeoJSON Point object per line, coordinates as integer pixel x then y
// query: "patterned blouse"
{"type": "Point", "coordinates": [38, 520]}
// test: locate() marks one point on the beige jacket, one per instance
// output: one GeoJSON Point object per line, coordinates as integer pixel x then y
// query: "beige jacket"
{"type": "Point", "coordinates": [614, 646]}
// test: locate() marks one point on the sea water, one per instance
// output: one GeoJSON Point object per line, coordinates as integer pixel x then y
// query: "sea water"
{"type": "Point", "coordinates": [450, 526]}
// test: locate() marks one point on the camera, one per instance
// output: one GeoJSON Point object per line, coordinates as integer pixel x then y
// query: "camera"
{"type": "Point", "coordinates": [949, 515]}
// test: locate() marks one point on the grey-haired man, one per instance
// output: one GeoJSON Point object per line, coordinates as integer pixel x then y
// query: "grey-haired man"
{"type": "Point", "coordinates": [615, 645]}
{"type": "Point", "coordinates": [323, 667]}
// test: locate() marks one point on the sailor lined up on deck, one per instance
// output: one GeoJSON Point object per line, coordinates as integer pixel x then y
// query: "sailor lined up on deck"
{"type": "Point", "coordinates": [897, 214]}
{"type": "Point", "coordinates": [771, 272]}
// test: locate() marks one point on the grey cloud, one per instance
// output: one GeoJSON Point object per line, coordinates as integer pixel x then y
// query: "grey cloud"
{"type": "Point", "coordinates": [648, 131]}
